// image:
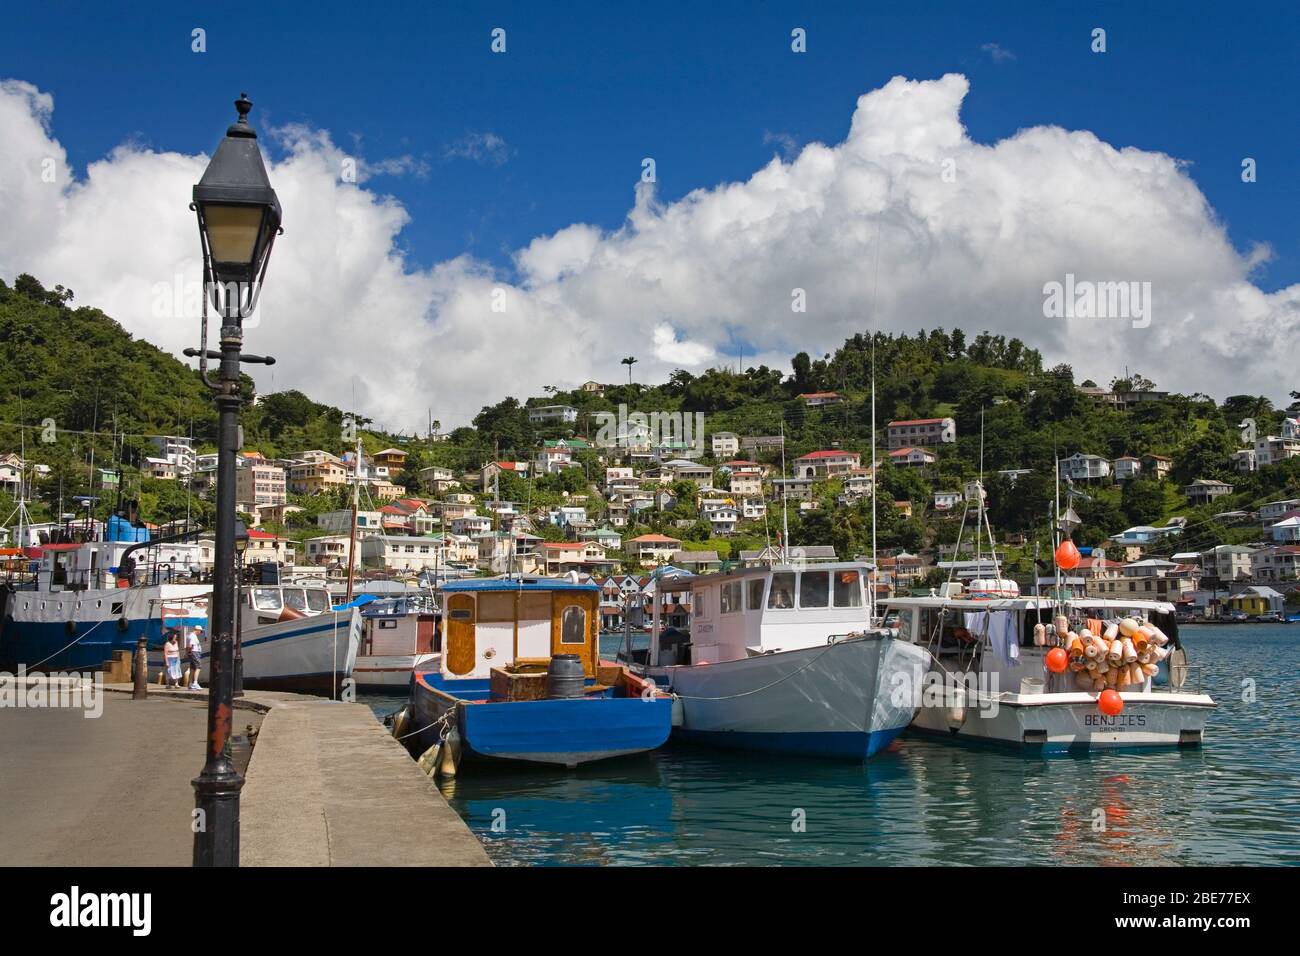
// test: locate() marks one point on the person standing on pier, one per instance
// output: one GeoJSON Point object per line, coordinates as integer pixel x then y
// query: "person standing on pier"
{"type": "Point", "coordinates": [193, 658]}
{"type": "Point", "coordinates": [172, 658]}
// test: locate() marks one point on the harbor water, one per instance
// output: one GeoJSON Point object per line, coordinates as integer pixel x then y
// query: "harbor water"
{"type": "Point", "coordinates": [1232, 802]}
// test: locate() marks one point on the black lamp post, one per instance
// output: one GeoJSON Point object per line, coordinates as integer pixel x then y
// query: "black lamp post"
{"type": "Point", "coordinates": [239, 218]}
{"type": "Point", "coordinates": [241, 545]}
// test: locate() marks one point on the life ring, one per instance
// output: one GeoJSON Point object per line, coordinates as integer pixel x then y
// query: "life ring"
{"type": "Point", "coordinates": [123, 624]}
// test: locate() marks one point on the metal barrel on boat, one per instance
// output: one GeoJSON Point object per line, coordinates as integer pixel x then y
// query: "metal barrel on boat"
{"type": "Point", "coordinates": [564, 677]}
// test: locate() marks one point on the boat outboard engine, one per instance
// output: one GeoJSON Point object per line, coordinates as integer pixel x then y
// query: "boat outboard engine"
{"type": "Point", "coordinates": [564, 677]}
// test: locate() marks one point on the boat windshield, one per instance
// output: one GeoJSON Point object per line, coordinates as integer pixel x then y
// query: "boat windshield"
{"type": "Point", "coordinates": [318, 601]}
{"type": "Point", "coordinates": [267, 599]}
{"type": "Point", "coordinates": [295, 598]}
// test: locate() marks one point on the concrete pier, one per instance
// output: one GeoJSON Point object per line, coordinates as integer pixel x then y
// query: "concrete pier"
{"type": "Point", "coordinates": [326, 786]}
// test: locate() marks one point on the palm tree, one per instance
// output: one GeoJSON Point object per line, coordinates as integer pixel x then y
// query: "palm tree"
{"type": "Point", "coordinates": [629, 362]}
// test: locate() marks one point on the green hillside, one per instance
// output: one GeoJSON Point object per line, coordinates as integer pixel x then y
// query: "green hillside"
{"type": "Point", "coordinates": [82, 370]}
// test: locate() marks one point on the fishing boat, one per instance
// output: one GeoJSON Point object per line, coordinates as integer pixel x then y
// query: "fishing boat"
{"type": "Point", "coordinates": [77, 602]}
{"type": "Point", "coordinates": [989, 678]}
{"type": "Point", "coordinates": [519, 679]}
{"type": "Point", "coordinates": [783, 658]}
{"type": "Point", "coordinates": [1046, 673]}
{"type": "Point", "coordinates": [398, 635]}
{"type": "Point", "coordinates": [293, 639]}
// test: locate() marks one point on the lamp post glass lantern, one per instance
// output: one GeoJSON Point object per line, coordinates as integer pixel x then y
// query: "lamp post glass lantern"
{"type": "Point", "coordinates": [239, 218]}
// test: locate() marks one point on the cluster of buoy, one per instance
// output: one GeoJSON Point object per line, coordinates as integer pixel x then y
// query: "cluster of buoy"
{"type": "Point", "coordinates": [1126, 654]}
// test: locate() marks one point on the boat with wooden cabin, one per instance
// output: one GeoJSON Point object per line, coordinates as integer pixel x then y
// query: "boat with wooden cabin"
{"type": "Point", "coordinates": [520, 679]}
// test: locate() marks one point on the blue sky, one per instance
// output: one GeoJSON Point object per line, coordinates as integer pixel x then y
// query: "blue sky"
{"type": "Point", "coordinates": [710, 90]}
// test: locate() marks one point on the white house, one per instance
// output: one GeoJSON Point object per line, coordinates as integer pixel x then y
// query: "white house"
{"type": "Point", "coordinates": [920, 431]}
{"type": "Point", "coordinates": [552, 414]}
{"type": "Point", "coordinates": [1281, 563]}
{"type": "Point", "coordinates": [652, 547]}
{"type": "Point", "coordinates": [912, 457]}
{"type": "Point", "coordinates": [1126, 467]}
{"type": "Point", "coordinates": [1081, 467]}
{"type": "Point", "coordinates": [471, 525]}
{"type": "Point", "coordinates": [723, 520]}
{"type": "Point", "coordinates": [1287, 531]}
{"type": "Point", "coordinates": [620, 475]}
{"type": "Point", "coordinates": [946, 500]}
{"type": "Point", "coordinates": [404, 552]}
{"type": "Point", "coordinates": [725, 444]}
{"type": "Point", "coordinates": [1277, 510]}
{"type": "Point", "coordinates": [825, 464]}
{"type": "Point", "coordinates": [329, 549]}
{"type": "Point", "coordinates": [746, 481]}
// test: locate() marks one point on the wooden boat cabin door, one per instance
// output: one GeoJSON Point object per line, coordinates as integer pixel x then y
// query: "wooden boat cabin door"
{"type": "Point", "coordinates": [574, 627]}
{"type": "Point", "coordinates": [460, 620]}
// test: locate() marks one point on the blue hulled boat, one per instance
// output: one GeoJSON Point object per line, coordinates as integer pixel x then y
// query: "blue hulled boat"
{"type": "Point", "coordinates": [519, 678]}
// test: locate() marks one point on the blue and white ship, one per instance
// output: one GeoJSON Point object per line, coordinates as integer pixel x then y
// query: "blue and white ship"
{"type": "Point", "coordinates": [79, 602]}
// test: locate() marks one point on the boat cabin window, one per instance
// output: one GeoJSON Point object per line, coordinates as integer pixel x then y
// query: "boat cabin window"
{"type": "Point", "coordinates": [461, 614]}
{"type": "Point", "coordinates": [907, 624]}
{"type": "Point", "coordinates": [267, 599]}
{"type": "Point", "coordinates": [573, 626]}
{"type": "Point", "coordinates": [318, 601]}
{"type": "Point", "coordinates": [781, 594]}
{"type": "Point", "coordinates": [295, 598]}
{"type": "Point", "coordinates": [848, 589]}
{"type": "Point", "coordinates": [730, 597]}
{"type": "Point", "coordinates": [756, 594]}
{"type": "Point", "coordinates": [496, 607]}
{"type": "Point", "coordinates": [814, 589]}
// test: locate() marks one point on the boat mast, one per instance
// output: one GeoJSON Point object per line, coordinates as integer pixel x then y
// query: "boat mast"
{"type": "Point", "coordinates": [785, 504]}
{"type": "Point", "coordinates": [873, 446]}
{"type": "Point", "coordinates": [352, 526]}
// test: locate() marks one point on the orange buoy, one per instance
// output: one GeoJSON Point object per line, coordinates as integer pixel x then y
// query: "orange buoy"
{"type": "Point", "coordinates": [1110, 703]}
{"type": "Point", "coordinates": [1067, 555]}
{"type": "Point", "coordinates": [1056, 660]}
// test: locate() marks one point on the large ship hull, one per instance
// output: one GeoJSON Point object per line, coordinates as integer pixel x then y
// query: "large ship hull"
{"type": "Point", "coordinates": [80, 630]}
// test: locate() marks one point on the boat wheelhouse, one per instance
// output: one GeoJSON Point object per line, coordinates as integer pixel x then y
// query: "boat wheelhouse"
{"type": "Point", "coordinates": [989, 682]}
{"type": "Point", "coordinates": [784, 658]}
{"type": "Point", "coordinates": [398, 635]}
{"type": "Point", "coordinates": [519, 678]}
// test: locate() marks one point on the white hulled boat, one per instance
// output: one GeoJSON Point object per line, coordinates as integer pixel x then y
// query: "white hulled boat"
{"type": "Point", "coordinates": [397, 636]}
{"type": "Point", "coordinates": [988, 681]}
{"type": "Point", "coordinates": [783, 658]}
{"type": "Point", "coordinates": [294, 639]}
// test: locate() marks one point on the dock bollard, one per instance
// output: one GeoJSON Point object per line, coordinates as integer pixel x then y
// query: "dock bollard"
{"type": "Point", "coordinates": [141, 691]}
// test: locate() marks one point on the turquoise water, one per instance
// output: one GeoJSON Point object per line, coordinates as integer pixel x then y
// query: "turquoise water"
{"type": "Point", "coordinates": [1234, 801]}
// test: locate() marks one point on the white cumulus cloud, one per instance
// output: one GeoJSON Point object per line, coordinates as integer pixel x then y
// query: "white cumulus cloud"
{"type": "Point", "coordinates": [968, 234]}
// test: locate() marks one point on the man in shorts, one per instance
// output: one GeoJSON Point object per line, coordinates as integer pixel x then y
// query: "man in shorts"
{"type": "Point", "coordinates": [193, 657]}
